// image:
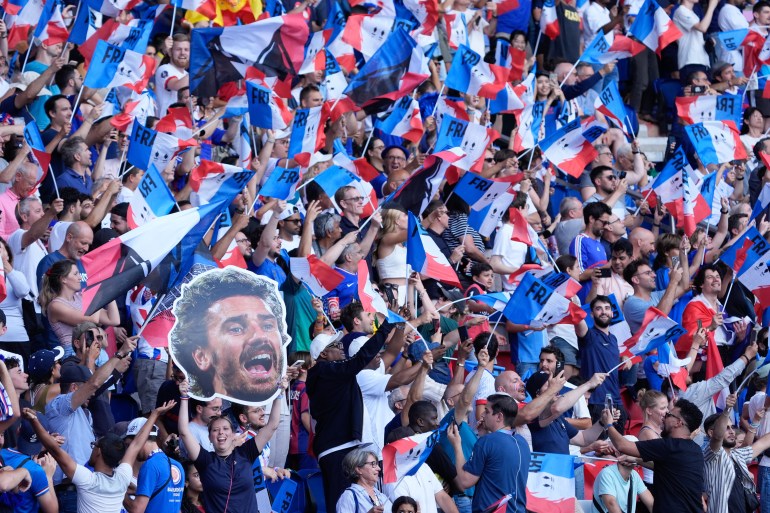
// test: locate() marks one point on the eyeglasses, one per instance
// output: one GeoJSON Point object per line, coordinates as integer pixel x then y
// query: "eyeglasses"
{"type": "Point", "coordinates": [645, 273]}
{"type": "Point", "coordinates": [98, 337]}
{"type": "Point", "coordinates": [604, 222]}
{"type": "Point", "coordinates": [442, 212]}
{"type": "Point", "coordinates": [489, 160]}
{"type": "Point", "coordinates": [373, 464]}
{"type": "Point", "coordinates": [296, 221]}
{"type": "Point", "coordinates": [95, 443]}
{"type": "Point", "coordinates": [239, 241]}
{"type": "Point", "coordinates": [357, 199]}
{"type": "Point", "coordinates": [669, 414]}
{"type": "Point", "coordinates": [611, 177]}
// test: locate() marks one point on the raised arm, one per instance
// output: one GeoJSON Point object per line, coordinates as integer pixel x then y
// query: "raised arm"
{"type": "Point", "coordinates": [64, 460]}
{"type": "Point", "coordinates": [191, 444]}
{"type": "Point", "coordinates": [569, 399]}
{"type": "Point", "coordinates": [5, 379]}
{"type": "Point", "coordinates": [136, 445]}
{"type": "Point", "coordinates": [266, 433]}
{"type": "Point", "coordinates": [85, 391]}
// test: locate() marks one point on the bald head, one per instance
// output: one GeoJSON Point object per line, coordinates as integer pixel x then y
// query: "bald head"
{"type": "Point", "coordinates": [643, 242]}
{"type": "Point", "coordinates": [77, 241]}
{"type": "Point", "coordinates": [25, 179]}
{"type": "Point", "coordinates": [511, 383]}
{"type": "Point", "coordinates": [561, 70]}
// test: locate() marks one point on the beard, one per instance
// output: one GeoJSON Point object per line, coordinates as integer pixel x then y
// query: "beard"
{"type": "Point", "coordinates": [665, 433]}
{"type": "Point", "coordinates": [729, 445]}
{"type": "Point", "coordinates": [601, 323]}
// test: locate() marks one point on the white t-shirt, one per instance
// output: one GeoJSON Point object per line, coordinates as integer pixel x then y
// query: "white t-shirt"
{"type": "Point", "coordinates": [486, 388]}
{"type": "Point", "coordinates": [731, 18]}
{"type": "Point", "coordinates": [422, 487]}
{"type": "Point", "coordinates": [58, 234]}
{"type": "Point", "coordinates": [100, 493]}
{"type": "Point", "coordinates": [27, 260]}
{"type": "Point", "coordinates": [125, 195]}
{"type": "Point", "coordinates": [373, 384]}
{"type": "Point", "coordinates": [512, 253]}
{"type": "Point", "coordinates": [691, 45]}
{"type": "Point", "coordinates": [164, 95]}
{"type": "Point", "coordinates": [594, 18]}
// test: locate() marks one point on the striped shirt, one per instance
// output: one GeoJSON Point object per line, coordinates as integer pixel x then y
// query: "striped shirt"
{"type": "Point", "coordinates": [719, 474]}
{"type": "Point", "coordinates": [458, 228]}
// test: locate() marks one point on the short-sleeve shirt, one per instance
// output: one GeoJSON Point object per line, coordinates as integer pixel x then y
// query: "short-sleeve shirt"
{"type": "Point", "coordinates": [162, 480]}
{"type": "Point", "coordinates": [600, 353]}
{"type": "Point", "coordinates": [300, 438]}
{"type": "Point", "coordinates": [610, 482]}
{"type": "Point", "coordinates": [501, 460]}
{"type": "Point", "coordinates": [69, 178]}
{"type": "Point", "coordinates": [27, 259]}
{"type": "Point", "coordinates": [691, 45]}
{"type": "Point", "coordinates": [75, 426]}
{"type": "Point", "coordinates": [512, 253]}
{"type": "Point", "coordinates": [8, 222]}
{"type": "Point", "coordinates": [485, 389]}
{"type": "Point", "coordinates": [679, 470]}
{"type": "Point", "coordinates": [552, 438]}
{"type": "Point", "coordinates": [100, 493]}
{"type": "Point", "coordinates": [231, 476]}
{"type": "Point", "coordinates": [164, 95]}
{"type": "Point", "coordinates": [634, 308]}
{"type": "Point", "coordinates": [26, 502]}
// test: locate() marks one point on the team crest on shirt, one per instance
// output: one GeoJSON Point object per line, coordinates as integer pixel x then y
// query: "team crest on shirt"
{"type": "Point", "coordinates": [176, 476]}
{"type": "Point", "coordinates": [163, 74]}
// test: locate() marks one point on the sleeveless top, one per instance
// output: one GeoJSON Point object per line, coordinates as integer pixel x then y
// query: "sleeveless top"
{"type": "Point", "coordinates": [63, 330]}
{"type": "Point", "coordinates": [393, 265]}
{"type": "Point", "coordinates": [647, 474]}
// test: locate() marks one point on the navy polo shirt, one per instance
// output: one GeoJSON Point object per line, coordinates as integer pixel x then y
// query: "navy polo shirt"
{"type": "Point", "coordinates": [599, 353]}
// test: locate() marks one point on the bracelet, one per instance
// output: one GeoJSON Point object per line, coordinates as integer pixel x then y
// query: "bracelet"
{"type": "Point", "coordinates": [271, 141]}
{"type": "Point", "coordinates": [120, 356]}
{"type": "Point", "coordinates": [184, 397]}
{"type": "Point", "coordinates": [747, 358]}
{"type": "Point", "coordinates": [752, 431]}
{"type": "Point", "coordinates": [656, 224]}
{"type": "Point", "coordinates": [755, 425]}
{"type": "Point", "coordinates": [723, 212]}
{"type": "Point", "coordinates": [460, 364]}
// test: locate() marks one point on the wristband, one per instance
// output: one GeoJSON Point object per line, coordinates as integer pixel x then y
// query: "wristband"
{"type": "Point", "coordinates": [184, 397]}
{"type": "Point", "coordinates": [120, 356]}
{"type": "Point", "coordinates": [461, 364]}
{"type": "Point", "coordinates": [752, 431]}
{"type": "Point", "coordinates": [656, 224]}
{"type": "Point", "coordinates": [723, 211]}
{"type": "Point", "coordinates": [755, 425]}
{"type": "Point", "coordinates": [747, 358]}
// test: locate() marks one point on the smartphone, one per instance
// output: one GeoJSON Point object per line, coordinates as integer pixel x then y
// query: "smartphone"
{"type": "Point", "coordinates": [608, 402]}
{"type": "Point", "coordinates": [298, 363]}
{"type": "Point", "coordinates": [698, 89]}
{"type": "Point", "coordinates": [552, 77]}
{"type": "Point", "coordinates": [89, 338]}
{"type": "Point", "coordinates": [675, 261]}
{"type": "Point", "coordinates": [621, 175]}
{"type": "Point", "coordinates": [436, 325]}
{"type": "Point", "coordinates": [700, 324]}
{"type": "Point", "coordinates": [463, 332]}
{"type": "Point", "coordinates": [559, 367]}
{"type": "Point", "coordinates": [605, 272]}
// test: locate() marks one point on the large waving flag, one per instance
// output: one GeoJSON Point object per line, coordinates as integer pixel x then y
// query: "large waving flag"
{"type": "Point", "coordinates": [537, 304]}
{"type": "Point", "coordinates": [177, 122]}
{"type": "Point", "coordinates": [51, 29]}
{"type": "Point", "coordinates": [530, 122]}
{"type": "Point", "coordinates": [600, 51]}
{"type": "Point", "coordinates": [317, 275]}
{"type": "Point", "coordinates": [550, 479]}
{"type": "Point", "coordinates": [151, 199]}
{"type": "Point", "coordinates": [28, 17]}
{"type": "Point", "coordinates": [510, 57]}
{"type": "Point", "coordinates": [756, 277]}
{"type": "Point", "coordinates": [471, 138]}
{"type": "Point", "coordinates": [367, 32]}
{"type": "Point", "coordinates": [694, 205]}
{"type": "Point", "coordinates": [653, 27]}
{"type": "Point", "coordinates": [404, 457]}
{"type": "Point", "coordinates": [656, 330]}
{"type": "Point", "coordinates": [549, 20]}
{"type": "Point", "coordinates": [12, 7]}
{"type": "Point", "coordinates": [668, 185]}
{"type": "Point", "coordinates": [266, 109]}
{"type": "Point", "coordinates": [308, 134]}
{"type": "Point", "coordinates": [485, 221]}
{"type": "Point", "coordinates": [716, 142]}
{"type": "Point", "coordinates": [404, 120]}
{"type": "Point", "coordinates": [420, 188]}
{"type": "Point", "coordinates": [697, 109]}
{"type": "Point", "coordinates": [394, 71]}
{"type": "Point", "coordinates": [370, 300]}
{"type": "Point", "coordinates": [315, 56]}
{"type": "Point", "coordinates": [147, 147]}
{"type": "Point", "coordinates": [423, 255]}
{"type": "Point", "coordinates": [506, 101]}
{"type": "Point", "coordinates": [274, 46]}
{"type": "Point", "coordinates": [742, 253]}
{"type": "Point", "coordinates": [113, 66]}
{"type": "Point", "coordinates": [211, 180]}
{"type": "Point", "coordinates": [571, 147]}
{"type": "Point", "coordinates": [469, 73]}
{"type": "Point", "coordinates": [35, 143]}
{"type": "Point", "coordinates": [156, 251]}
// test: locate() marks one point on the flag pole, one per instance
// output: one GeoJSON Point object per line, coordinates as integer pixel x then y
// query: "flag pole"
{"type": "Point", "coordinates": [435, 106]}
{"type": "Point", "coordinates": [630, 128]}
{"type": "Point", "coordinates": [368, 218]}
{"type": "Point", "coordinates": [462, 242]}
{"type": "Point", "coordinates": [366, 146]}
{"type": "Point", "coordinates": [492, 332]}
{"type": "Point", "coordinates": [537, 43]}
{"type": "Point", "coordinates": [619, 365]}
{"type": "Point", "coordinates": [26, 57]}
{"type": "Point", "coordinates": [574, 66]}
{"type": "Point", "coordinates": [173, 19]}
{"type": "Point", "coordinates": [150, 315]}
{"type": "Point", "coordinates": [53, 176]}
{"type": "Point", "coordinates": [322, 310]}
{"type": "Point", "coordinates": [727, 296]}
{"type": "Point", "coordinates": [75, 105]}
{"type": "Point", "coordinates": [644, 199]}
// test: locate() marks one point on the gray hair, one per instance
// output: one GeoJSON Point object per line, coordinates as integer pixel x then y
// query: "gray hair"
{"type": "Point", "coordinates": [624, 150]}
{"type": "Point", "coordinates": [324, 224]}
{"type": "Point", "coordinates": [353, 460]}
{"type": "Point", "coordinates": [24, 207]}
{"type": "Point", "coordinates": [568, 204]}
{"type": "Point", "coordinates": [395, 396]}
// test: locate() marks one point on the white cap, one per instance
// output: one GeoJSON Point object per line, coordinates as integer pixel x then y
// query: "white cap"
{"type": "Point", "coordinates": [136, 425]}
{"type": "Point", "coordinates": [321, 342]}
{"type": "Point", "coordinates": [25, 79]}
{"type": "Point", "coordinates": [356, 345]}
{"type": "Point", "coordinates": [318, 157]}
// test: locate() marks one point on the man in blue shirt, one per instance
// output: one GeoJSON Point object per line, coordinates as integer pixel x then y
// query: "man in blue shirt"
{"type": "Point", "coordinates": [587, 246]}
{"type": "Point", "coordinates": [499, 463]}
{"type": "Point", "coordinates": [77, 166]}
{"type": "Point", "coordinates": [600, 353]}
{"type": "Point", "coordinates": [347, 266]}
{"type": "Point", "coordinates": [160, 484]}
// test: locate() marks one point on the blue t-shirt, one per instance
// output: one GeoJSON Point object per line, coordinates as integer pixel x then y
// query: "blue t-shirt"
{"type": "Point", "coordinates": [26, 502]}
{"type": "Point", "coordinates": [347, 290]}
{"type": "Point", "coordinates": [268, 268]}
{"type": "Point", "coordinates": [154, 476]}
{"type": "Point", "coordinates": [600, 353]}
{"type": "Point", "coordinates": [554, 437]}
{"type": "Point", "coordinates": [51, 259]}
{"type": "Point", "coordinates": [501, 460]}
{"type": "Point", "coordinates": [589, 253]}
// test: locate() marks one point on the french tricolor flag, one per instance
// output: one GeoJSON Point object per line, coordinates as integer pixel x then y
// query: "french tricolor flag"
{"type": "Point", "coordinates": [669, 184]}
{"type": "Point", "coordinates": [232, 256]}
{"type": "Point", "coordinates": [537, 304]}
{"type": "Point", "coordinates": [178, 122]}
{"type": "Point", "coordinates": [740, 256]}
{"type": "Point", "coordinates": [697, 109]}
{"type": "Point", "coordinates": [316, 274]}
{"type": "Point", "coordinates": [423, 255]}
{"type": "Point", "coordinates": [653, 27]}
{"type": "Point", "coordinates": [570, 148]}
{"type": "Point", "coordinates": [209, 178]}
{"type": "Point", "coordinates": [308, 133]}
{"type": "Point", "coordinates": [610, 103]}
{"type": "Point", "coordinates": [28, 17]}
{"type": "Point", "coordinates": [470, 74]}
{"type": "Point", "coordinates": [530, 122]}
{"type": "Point", "coordinates": [12, 7]}
{"type": "Point", "coordinates": [367, 32]}
{"type": "Point", "coordinates": [152, 199]}
{"type": "Point", "coordinates": [471, 138]}
{"type": "Point", "coordinates": [404, 120]}
{"type": "Point", "coordinates": [315, 55]}
{"type": "Point", "coordinates": [656, 330]}
{"type": "Point", "coordinates": [266, 110]}
{"type": "Point", "coordinates": [601, 51]}
{"type": "Point", "coordinates": [147, 147]}
{"type": "Point", "coordinates": [51, 29]}
{"type": "Point", "coordinates": [550, 479]}
{"type": "Point", "coordinates": [757, 279]}
{"type": "Point", "coordinates": [507, 56]}
{"type": "Point", "coordinates": [370, 300]}
{"type": "Point", "coordinates": [404, 457]}
{"type": "Point", "coordinates": [133, 35]}
{"type": "Point", "coordinates": [113, 66]}
{"type": "Point", "coordinates": [716, 142]}
{"type": "Point", "coordinates": [694, 205]}
{"type": "Point", "coordinates": [360, 166]}
{"type": "Point", "coordinates": [35, 142]}
{"type": "Point", "coordinates": [507, 101]}
{"type": "Point", "coordinates": [549, 20]}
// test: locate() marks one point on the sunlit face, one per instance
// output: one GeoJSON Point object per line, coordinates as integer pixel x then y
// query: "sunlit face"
{"type": "Point", "coordinates": [657, 413]}
{"type": "Point", "coordinates": [180, 54]}
{"type": "Point", "coordinates": [222, 436]}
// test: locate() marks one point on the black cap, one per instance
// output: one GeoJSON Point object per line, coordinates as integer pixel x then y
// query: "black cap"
{"type": "Point", "coordinates": [74, 373]}
{"type": "Point", "coordinates": [536, 382]}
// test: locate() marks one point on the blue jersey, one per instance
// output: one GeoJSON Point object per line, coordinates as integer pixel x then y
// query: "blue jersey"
{"type": "Point", "coordinates": [165, 493]}
{"type": "Point", "coordinates": [26, 502]}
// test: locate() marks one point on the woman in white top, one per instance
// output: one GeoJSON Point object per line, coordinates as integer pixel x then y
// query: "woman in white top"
{"type": "Point", "coordinates": [751, 132]}
{"type": "Point", "coordinates": [654, 405]}
{"type": "Point", "coordinates": [15, 339]}
{"type": "Point", "coordinates": [391, 251]}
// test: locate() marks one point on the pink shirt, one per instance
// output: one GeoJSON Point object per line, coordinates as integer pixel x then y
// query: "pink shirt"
{"type": "Point", "coordinates": [8, 223]}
